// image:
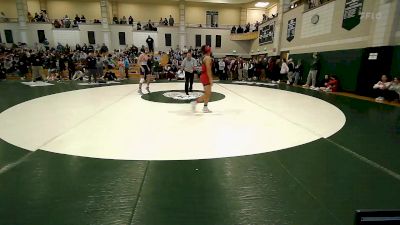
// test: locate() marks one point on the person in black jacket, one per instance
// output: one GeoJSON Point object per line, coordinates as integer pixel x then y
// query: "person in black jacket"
{"type": "Point", "coordinates": [298, 72]}
{"type": "Point", "coordinates": [150, 43]}
{"type": "Point", "coordinates": [91, 67]}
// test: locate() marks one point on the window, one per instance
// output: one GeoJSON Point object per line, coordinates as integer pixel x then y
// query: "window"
{"type": "Point", "coordinates": [9, 36]}
{"type": "Point", "coordinates": [218, 41]}
{"type": "Point", "coordinates": [198, 40]}
{"type": "Point", "coordinates": [41, 36]}
{"type": "Point", "coordinates": [212, 18]}
{"type": "Point", "coordinates": [91, 38]}
{"type": "Point", "coordinates": [208, 40]}
{"type": "Point", "coordinates": [122, 40]}
{"type": "Point", "coordinates": [168, 40]}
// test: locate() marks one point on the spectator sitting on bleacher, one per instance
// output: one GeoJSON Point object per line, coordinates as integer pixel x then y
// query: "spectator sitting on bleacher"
{"type": "Point", "coordinates": [395, 86]}
{"type": "Point", "coordinates": [139, 26]}
{"type": "Point", "coordinates": [3, 17]}
{"type": "Point", "coordinates": [130, 19]}
{"type": "Point", "coordinates": [239, 30]}
{"type": "Point", "coordinates": [57, 24]}
{"type": "Point", "coordinates": [123, 20]}
{"type": "Point", "coordinates": [30, 17]}
{"type": "Point", "coordinates": [381, 89]}
{"type": "Point", "coordinates": [256, 26]}
{"type": "Point", "coordinates": [115, 19]}
{"type": "Point", "coordinates": [247, 28]}
{"type": "Point", "coordinates": [233, 30]}
{"type": "Point", "coordinates": [77, 18]}
{"type": "Point", "coordinates": [83, 19]}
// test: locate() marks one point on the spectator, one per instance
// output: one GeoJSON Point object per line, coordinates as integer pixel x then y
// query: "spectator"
{"type": "Point", "coordinates": [233, 30]}
{"type": "Point", "coordinates": [221, 69]}
{"type": "Point", "coordinates": [298, 72]}
{"type": "Point", "coordinates": [312, 75]}
{"type": "Point", "coordinates": [83, 19]}
{"type": "Point", "coordinates": [130, 19]}
{"type": "Point", "coordinates": [381, 89]}
{"type": "Point", "coordinates": [395, 86]}
{"type": "Point", "coordinates": [77, 18]}
{"type": "Point", "coordinates": [171, 21]}
{"type": "Point", "coordinates": [126, 64]}
{"type": "Point", "coordinates": [103, 49]}
{"type": "Point", "coordinates": [256, 26]}
{"type": "Point", "coordinates": [165, 22]}
{"type": "Point", "coordinates": [57, 24]}
{"type": "Point", "coordinates": [115, 19]}
{"type": "Point", "coordinates": [92, 67]}
{"type": "Point", "coordinates": [291, 71]}
{"type": "Point", "coordinates": [150, 43]}
{"type": "Point", "coordinates": [239, 30]}
{"type": "Point", "coordinates": [247, 28]}
{"type": "Point", "coordinates": [123, 20]}
{"type": "Point", "coordinates": [3, 17]}
{"type": "Point", "coordinates": [264, 17]}
{"type": "Point", "coordinates": [30, 17]}
{"type": "Point", "coordinates": [332, 85]}
{"type": "Point", "coordinates": [284, 69]}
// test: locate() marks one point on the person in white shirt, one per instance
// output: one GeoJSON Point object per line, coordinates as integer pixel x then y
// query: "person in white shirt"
{"type": "Point", "coordinates": [221, 69]}
{"type": "Point", "coordinates": [395, 86]}
{"type": "Point", "coordinates": [188, 65]}
{"type": "Point", "coordinates": [245, 70]}
{"type": "Point", "coordinates": [284, 69]}
{"type": "Point", "coordinates": [382, 89]}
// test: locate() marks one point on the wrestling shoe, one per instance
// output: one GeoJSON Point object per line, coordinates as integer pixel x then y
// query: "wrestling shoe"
{"type": "Point", "coordinates": [206, 110]}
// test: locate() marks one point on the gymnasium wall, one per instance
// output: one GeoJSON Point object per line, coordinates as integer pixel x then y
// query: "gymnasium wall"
{"type": "Point", "coordinates": [228, 47]}
{"type": "Point", "coordinates": [9, 8]}
{"type": "Point", "coordinates": [227, 14]}
{"type": "Point", "coordinates": [143, 12]}
{"type": "Point", "coordinates": [255, 14]}
{"type": "Point", "coordinates": [59, 8]}
{"type": "Point", "coordinates": [396, 62]}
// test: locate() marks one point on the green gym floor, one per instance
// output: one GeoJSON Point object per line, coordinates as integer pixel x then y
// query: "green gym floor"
{"type": "Point", "coordinates": [319, 182]}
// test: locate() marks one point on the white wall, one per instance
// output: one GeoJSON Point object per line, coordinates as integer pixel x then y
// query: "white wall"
{"type": "Point", "coordinates": [64, 36]}
{"type": "Point", "coordinates": [98, 33]}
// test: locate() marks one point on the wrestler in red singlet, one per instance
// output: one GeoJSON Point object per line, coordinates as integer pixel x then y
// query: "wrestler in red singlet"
{"type": "Point", "coordinates": [206, 78]}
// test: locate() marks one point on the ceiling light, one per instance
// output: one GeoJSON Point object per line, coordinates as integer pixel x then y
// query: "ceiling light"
{"type": "Point", "coordinates": [261, 4]}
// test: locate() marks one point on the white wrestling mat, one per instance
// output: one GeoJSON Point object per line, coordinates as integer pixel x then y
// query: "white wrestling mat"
{"type": "Point", "coordinates": [37, 83]}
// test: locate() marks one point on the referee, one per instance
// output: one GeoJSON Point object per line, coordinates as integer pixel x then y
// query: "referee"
{"type": "Point", "coordinates": [188, 65]}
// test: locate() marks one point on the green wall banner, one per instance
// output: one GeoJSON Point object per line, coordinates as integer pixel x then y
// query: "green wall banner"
{"type": "Point", "coordinates": [291, 28]}
{"type": "Point", "coordinates": [267, 34]}
{"type": "Point", "coordinates": [352, 14]}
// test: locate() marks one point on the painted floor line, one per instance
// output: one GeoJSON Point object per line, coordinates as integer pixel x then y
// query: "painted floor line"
{"type": "Point", "coordinates": [306, 190]}
{"type": "Point", "coordinates": [367, 161]}
{"type": "Point", "coordinates": [85, 119]}
{"type": "Point", "coordinates": [10, 166]}
{"type": "Point", "coordinates": [139, 192]}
